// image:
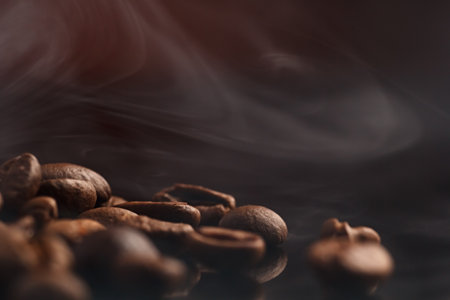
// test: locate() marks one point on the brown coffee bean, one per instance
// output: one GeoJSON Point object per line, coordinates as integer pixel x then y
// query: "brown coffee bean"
{"type": "Point", "coordinates": [27, 225]}
{"type": "Point", "coordinates": [342, 264]}
{"type": "Point", "coordinates": [97, 254]}
{"type": "Point", "coordinates": [115, 216]}
{"type": "Point", "coordinates": [43, 209]}
{"type": "Point", "coordinates": [19, 180]}
{"type": "Point", "coordinates": [225, 248]}
{"type": "Point", "coordinates": [73, 196]}
{"type": "Point", "coordinates": [141, 276]}
{"type": "Point", "coordinates": [333, 228]}
{"type": "Point", "coordinates": [113, 201]}
{"type": "Point", "coordinates": [211, 215]}
{"type": "Point", "coordinates": [72, 231]}
{"type": "Point", "coordinates": [50, 286]}
{"type": "Point", "coordinates": [71, 171]}
{"type": "Point", "coordinates": [257, 219]}
{"type": "Point", "coordinates": [194, 195]}
{"type": "Point", "coordinates": [17, 257]}
{"type": "Point", "coordinates": [53, 253]}
{"type": "Point", "coordinates": [1, 201]}
{"type": "Point", "coordinates": [179, 212]}
{"type": "Point", "coordinates": [272, 265]}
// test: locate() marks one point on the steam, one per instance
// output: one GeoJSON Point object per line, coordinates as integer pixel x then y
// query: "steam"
{"type": "Point", "coordinates": [143, 68]}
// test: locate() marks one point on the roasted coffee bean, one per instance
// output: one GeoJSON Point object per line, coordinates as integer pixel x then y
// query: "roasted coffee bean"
{"type": "Point", "coordinates": [342, 264]}
{"type": "Point", "coordinates": [50, 286]}
{"type": "Point", "coordinates": [27, 225]}
{"type": "Point", "coordinates": [73, 196]}
{"type": "Point", "coordinates": [42, 209]}
{"type": "Point", "coordinates": [53, 253]}
{"type": "Point", "coordinates": [71, 171]}
{"type": "Point", "coordinates": [225, 248]}
{"type": "Point", "coordinates": [257, 219]}
{"type": "Point", "coordinates": [17, 257]}
{"type": "Point", "coordinates": [179, 212]}
{"type": "Point", "coordinates": [140, 277]}
{"type": "Point", "coordinates": [211, 215]}
{"type": "Point", "coordinates": [194, 195]}
{"type": "Point", "coordinates": [97, 253]}
{"type": "Point", "coordinates": [113, 201]}
{"type": "Point", "coordinates": [1, 201]}
{"type": "Point", "coordinates": [73, 231]}
{"type": "Point", "coordinates": [115, 216]}
{"type": "Point", "coordinates": [19, 180]}
{"type": "Point", "coordinates": [333, 228]}
{"type": "Point", "coordinates": [271, 266]}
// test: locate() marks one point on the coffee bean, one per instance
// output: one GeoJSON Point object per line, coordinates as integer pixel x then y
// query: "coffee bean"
{"type": "Point", "coordinates": [27, 225]}
{"type": "Point", "coordinates": [257, 219]}
{"type": "Point", "coordinates": [42, 209]}
{"type": "Point", "coordinates": [113, 201]}
{"type": "Point", "coordinates": [194, 195]}
{"type": "Point", "coordinates": [53, 253]}
{"type": "Point", "coordinates": [73, 196]}
{"type": "Point", "coordinates": [179, 212]}
{"type": "Point", "coordinates": [97, 253]}
{"type": "Point", "coordinates": [211, 215]}
{"type": "Point", "coordinates": [71, 171]}
{"type": "Point", "coordinates": [342, 264]}
{"type": "Point", "coordinates": [19, 180]}
{"type": "Point", "coordinates": [1, 201]}
{"type": "Point", "coordinates": [72, 231]}
{"type": "Point", "coordinates": [115, 216]}
{"type": "Point", "coordinates": [50, 286]}
{"type": "Point", "coordinates": [271, 266]}
{"type": "Point", "coordinates": [225, 248]}
{"type": "Point", "coordinates": [17, 257]}
{"type": "Point", "coordinates": [140, 277]}
{"type": "Point", "coordinates": [333, 228]}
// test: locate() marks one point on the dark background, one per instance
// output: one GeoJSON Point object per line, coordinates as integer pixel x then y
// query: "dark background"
{"type": "Point", "coordinates": [314, 110]}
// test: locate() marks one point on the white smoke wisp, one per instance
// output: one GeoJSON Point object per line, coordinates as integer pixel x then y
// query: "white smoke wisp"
{"type": "Point", "coordinates": [93, 45]}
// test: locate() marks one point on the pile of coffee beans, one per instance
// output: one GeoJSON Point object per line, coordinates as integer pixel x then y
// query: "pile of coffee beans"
{"type": "Point", "coordinates": [349, 260]}
{"type": "Point", "coordinates": [65, 236]}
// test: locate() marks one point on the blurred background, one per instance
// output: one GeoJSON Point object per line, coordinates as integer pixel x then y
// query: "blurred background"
{"type": "Point", "coordinates": [315, 110]}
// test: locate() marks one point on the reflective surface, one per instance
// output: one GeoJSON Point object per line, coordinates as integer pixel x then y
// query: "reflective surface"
{"type": "Point", "coordinates": [315, 111]}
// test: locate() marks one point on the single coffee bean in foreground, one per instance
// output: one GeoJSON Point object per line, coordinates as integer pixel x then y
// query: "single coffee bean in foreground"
{"type": "Point", "coordinates": [257, 219]}
{"type": "Point", "coordinates": [98, 252]}
{"type": "Point", "coordinates": [344, 265]}
{"type": "Point", "coordinates": [178, 212]}
{"type": "Point", "coordinates": [17, 257]}
{"type": "Point", "coordinates": [53, 253]}
{"type": "Point", "coordinates": [50, 286]}
{"type": "Point", "coordinates": [142, 278]}
{"type": "Point", "coordinates": [73, 196]}
{"type": "Point", "coordinates": [115, 216]}
{"type": "Point", "coordinates": [72, 231]}
{"type": "Point", "coordinates": [223, 248]}
{"type": "Point", "coordinates": [42, 209]}
{"type": "Point", "coordinates": [333, 228]}
{"type": "Point", "coordinates": [71, 171]}
{"type": "Point", "coordinates": [20, 178]}
{"type": "Point", "coordinates": [194, 195]}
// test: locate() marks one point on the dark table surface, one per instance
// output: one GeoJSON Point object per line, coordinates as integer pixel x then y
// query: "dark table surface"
{"type": "Point", "coordinates": [314, 110]}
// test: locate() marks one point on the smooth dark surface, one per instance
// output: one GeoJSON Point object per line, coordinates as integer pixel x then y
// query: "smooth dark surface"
{"type": "Point", "coordinates": [313, 110]}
